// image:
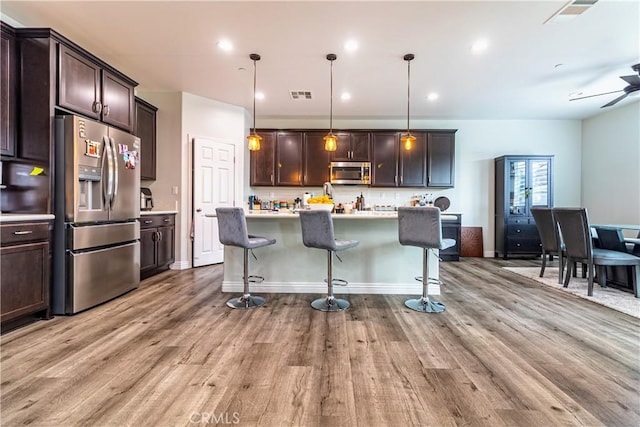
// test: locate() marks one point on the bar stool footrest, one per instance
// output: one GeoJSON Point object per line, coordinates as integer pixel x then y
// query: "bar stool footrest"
{"type": "Point", "coordinates": [338, 282]}
{"type": "Point", "coordinates": [431, 281]}
{"type": "Point", "coordinates": [256, 279]}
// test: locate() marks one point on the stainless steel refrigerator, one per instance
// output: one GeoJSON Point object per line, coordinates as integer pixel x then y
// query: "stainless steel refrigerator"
{"type": "Point", "coordinates": [97, 202]}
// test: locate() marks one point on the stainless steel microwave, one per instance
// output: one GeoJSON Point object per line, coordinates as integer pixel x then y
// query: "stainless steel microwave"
{"type": "Point", "coordinates": [351, 173]}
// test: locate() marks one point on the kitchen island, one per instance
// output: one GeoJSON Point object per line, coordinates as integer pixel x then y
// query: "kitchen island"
{"type": "Point", "coordinates": [379, 265]}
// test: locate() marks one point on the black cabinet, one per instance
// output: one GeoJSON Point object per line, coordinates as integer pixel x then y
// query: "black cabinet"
{"type": "Point", "coordinates": [521, 182]}
{"type": "Point", "coordinates": [413, 165]}
{"type": "Point", "coordinates": [9, 93]}
{"type": "Point", "coordinates": [157, 243]}
{"type": "Point", "coordinates": [440, 159]}
{"type": "Point", "coordinates": [25, 270]}
{"type": "Point", "coordinates": [263, 161]}
{"type": "Point", "coordinates": [352, 147]}
{"type": "Point", "coordinates": [316, 160]}
{"type": "Point", "coordinates": [85, 87]}
{"type": "Point", "coordinates": [451, 229]}
{"type": "Point", "coordinates": [289, 158]}
{"type": "Point", "coordinates": [384, 159]}
{"type": "Point", "coordinates": [145, 129]}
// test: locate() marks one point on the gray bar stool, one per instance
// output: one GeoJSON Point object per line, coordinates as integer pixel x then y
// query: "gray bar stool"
{"type": "Point", "coordinates": [422, 227]}
{"type": "Point", "coordinates": [317, 232]}
{"type": "Point", "coordinates": [232, 231]}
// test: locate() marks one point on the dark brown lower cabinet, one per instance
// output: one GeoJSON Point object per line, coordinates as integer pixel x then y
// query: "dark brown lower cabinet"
{"type": "Point", "coordinates": [24, 270]}
{"type": "Point", "coordinates": [452, 229]}
{"type": "Point", "coordinates": [157, 243]}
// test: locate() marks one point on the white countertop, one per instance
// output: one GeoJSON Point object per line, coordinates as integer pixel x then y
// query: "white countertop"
{"type": "Point", "coordinates": [146, 213]}
{"type": "Point", "coordinates": [358, 215]}
{"type": "Point", "coordinates": [9, 217]}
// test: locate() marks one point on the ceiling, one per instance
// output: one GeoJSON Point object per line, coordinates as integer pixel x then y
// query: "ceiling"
{"type": "Point", "coordinates": [528, 70]}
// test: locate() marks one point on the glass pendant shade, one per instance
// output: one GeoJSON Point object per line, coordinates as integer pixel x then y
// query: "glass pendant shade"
{"type": "Point", "coordinates": [407, 141]}
{"type": "Point", "coordinates": [253, 138]}
{"type": "Point", "coordinates": [331, 141]}
{"type": "Point", "coordinates": [254, 141]}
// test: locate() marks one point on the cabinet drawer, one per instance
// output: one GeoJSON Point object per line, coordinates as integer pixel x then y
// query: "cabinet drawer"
{"type": "Point", "coordinates": [23, 232]}
{"type": "Point", "coordinates": [519, 220]}
{"type": "Point", "coordinates": [151, 221]}
{"type": "Point", "coordinates": [524, 244]}
{"type": "Point", "coordinates": [524, 230]}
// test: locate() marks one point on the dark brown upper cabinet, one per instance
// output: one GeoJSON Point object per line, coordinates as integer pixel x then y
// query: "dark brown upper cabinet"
{"type": "Point", "coordinates": [145, 129]}
{"type": "Point", "coordinates": [441, 159]}
{"type": "Point", "coordinates": [384, 159]}
{"type": "Point", "coordinates": [9, 93]}
{"type": "Point", "coordinates": [88, 89]}
{"type": "Point", "coordinates": [413, 165]}
{"type": "Point", "coordinates": [352, 147]}
{"type": "Point", "coordinates": [289, 158]}
{"type": "Point", "coordinates": [263, 161]}
{"type": "Point", "coordinates": [316, 160]}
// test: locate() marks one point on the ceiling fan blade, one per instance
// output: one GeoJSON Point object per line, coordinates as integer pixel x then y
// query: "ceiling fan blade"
{"type": "Point", "coordinates": [632, 80]}
{"type": "Point", "coordinates": [598, 94]}
{"type": "Point", "coordinates": [620, 98]}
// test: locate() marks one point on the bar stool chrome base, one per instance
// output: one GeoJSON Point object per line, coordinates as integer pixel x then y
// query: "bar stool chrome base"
{"type": "Point", "coordinates": [246, 301]}
{"type": "Point", "coordinates": [425, 305]}
{"type": "Point", "coordinates": [330, 304]}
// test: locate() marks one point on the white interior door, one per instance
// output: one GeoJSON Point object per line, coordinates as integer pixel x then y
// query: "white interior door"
{"type": "Point", "coordinates": [213, 186]}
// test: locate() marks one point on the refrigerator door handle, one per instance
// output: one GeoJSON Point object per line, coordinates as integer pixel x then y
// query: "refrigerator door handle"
{"type": "Point", "coordinates": [114, 190]}
{"type": "Point", "coordinates": [106, 172]}
{"type": "Point", "coordinates": [111, 167]}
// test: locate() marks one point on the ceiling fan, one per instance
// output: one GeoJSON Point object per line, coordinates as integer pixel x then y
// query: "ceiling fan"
{"type": "Point", "coordinates": [634, 85]}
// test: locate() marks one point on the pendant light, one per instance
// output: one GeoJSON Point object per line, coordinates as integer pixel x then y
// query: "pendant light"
{"type": "Point", "coordinates": [253, 138]}
{"type": "Point", "coordinates": [408, 139]}
{"type": "Point", "coordinates": [331, 141]}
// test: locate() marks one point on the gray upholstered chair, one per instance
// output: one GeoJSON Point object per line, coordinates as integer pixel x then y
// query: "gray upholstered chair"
{"type": "Point", "coordinates": [549, 237]}
{"type": "Point", "coordinates": [574, 226]}
{"type": "Point", "coordinates": [317, 232]}
{"type": "Point", "coordinates": [422, 227]}
{"type": "Point", "coordinates": [232, 231]}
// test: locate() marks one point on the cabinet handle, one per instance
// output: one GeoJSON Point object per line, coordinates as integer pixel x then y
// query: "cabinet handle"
{"type": "Point", "coordinates": [518, 230]}
{"type": "Point", "coordinates": [154, 236]}
{"type": "Point", "coordinates": [97, 107]}
{"type": "Point", "coordinates": [159, 235]}
{"type": "Point", "coordinates": [22, 233]}
{"type": "Point", "coordinates": [401, 179]}
{"type": "Point", "coordinates": [148, 221]}
{"type": "Point", "coordinates": [167, 219]}
{"type": "Point", "coordinates": [271, 179]}
{"type": "Point", "coordinates": [106, 110]}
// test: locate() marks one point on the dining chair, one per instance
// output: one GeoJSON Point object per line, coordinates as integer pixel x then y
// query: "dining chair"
{"type": "Point", "coordinates": [576, 235]}
{"type": "Point", "coordinates": [550, 238]}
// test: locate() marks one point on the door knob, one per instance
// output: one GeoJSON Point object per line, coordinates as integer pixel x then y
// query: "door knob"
{"type": "Point", "coordinates": [198, 210]}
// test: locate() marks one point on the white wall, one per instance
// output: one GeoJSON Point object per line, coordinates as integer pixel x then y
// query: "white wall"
{"type": "Point", "coordinates": [611, 166]}
{"type": "Point", "coordinates": [182, 117]}
{"type": "Point", "coordinates": [478, 142]}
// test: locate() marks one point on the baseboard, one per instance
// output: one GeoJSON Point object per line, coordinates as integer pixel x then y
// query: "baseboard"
{"type": "Point", "coordinates": [321, 288]}
{"type": "Point", "coordinates": [180, 265]}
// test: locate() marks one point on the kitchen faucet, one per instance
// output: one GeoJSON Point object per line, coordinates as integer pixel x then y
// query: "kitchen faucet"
{"type": "Point", "coordinates": [327, 189]}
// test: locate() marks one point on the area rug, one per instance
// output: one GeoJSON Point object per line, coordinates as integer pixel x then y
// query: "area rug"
{"type": "Point", "coordinates": [609, 297]}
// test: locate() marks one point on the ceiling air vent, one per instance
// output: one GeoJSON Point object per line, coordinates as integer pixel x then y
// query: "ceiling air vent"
{"type": "Point", "coordinates": [300, 94]}
{"type": "Point", "coordinates": [571, 10]}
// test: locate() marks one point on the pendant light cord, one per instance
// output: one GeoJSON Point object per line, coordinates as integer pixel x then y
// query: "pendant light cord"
{"type": "Point", "coordinates": [408, 91]}
{"type": "Point", "coordinates": [331, 100]}
{"type": "Point", "coordinates": [254, 96]}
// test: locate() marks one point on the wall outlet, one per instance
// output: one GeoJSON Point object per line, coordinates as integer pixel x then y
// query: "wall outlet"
{"type": "Point", "coordinates": [174, 190]}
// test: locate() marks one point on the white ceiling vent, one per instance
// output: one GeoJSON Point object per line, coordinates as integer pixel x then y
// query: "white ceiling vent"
{"type": "Point", "coordinates": [300, 94]}
{"type": "Point", "coordinates": [571, 10]}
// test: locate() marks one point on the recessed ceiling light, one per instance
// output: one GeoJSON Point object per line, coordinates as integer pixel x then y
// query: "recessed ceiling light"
{"type": "Point", "coordinates": [345, 96]}
{"type": "Point", "coordinates": [259, 95]}
{"type": "Point", "coordinates": [351, 45]}
{"type": "Point", "coordinates": [479, 46]}
{"type": "Point", "coordinates": [432, 96]}
{"type": "Point", "coordinates": [225, 45]}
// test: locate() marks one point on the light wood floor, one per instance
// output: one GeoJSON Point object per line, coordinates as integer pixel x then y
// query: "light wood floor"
{"type": "Point", "coordinates": [507, 352]}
